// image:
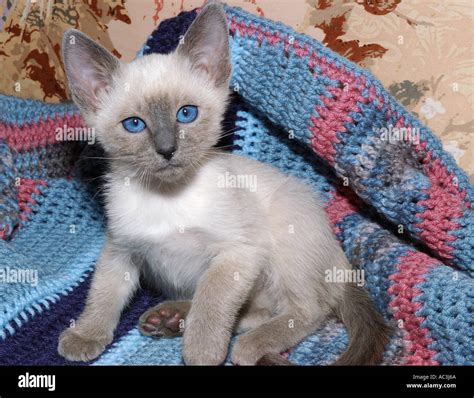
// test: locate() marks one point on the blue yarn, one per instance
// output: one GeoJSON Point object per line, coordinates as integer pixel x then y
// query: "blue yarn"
{"type": "Point", "coordinates": [45, 245]}
{"type": "Point", "coordinates": [448, 308]}
{"type": "Point", "coordinates": [20, 111]}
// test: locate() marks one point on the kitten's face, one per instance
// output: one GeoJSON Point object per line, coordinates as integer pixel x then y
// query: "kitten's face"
{"type": "Point", "coordinates": [154, 89]}
{"type": "Point", "coordinates": [159, 115]}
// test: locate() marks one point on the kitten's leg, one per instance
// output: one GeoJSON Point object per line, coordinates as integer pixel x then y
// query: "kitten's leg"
{"type": "Point", "coordinates": [114, 281]}
{"type": "Point", "coordinates": [219, 296]}
{"type": "Point", "coordinates": [252, 319]}
{"type": "Point", "coordinates": [273, 337]}
{"type": "Point", "coordinates": [165, 320]}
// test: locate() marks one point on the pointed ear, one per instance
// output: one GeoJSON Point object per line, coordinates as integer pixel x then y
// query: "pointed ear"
{"type": "Point", "coordinates": [206, 43]}
{"type": "Point", "coordinates": [89, 68]}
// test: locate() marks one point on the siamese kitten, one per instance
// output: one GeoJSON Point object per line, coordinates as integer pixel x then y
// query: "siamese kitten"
{"type": "Point", "coordinates": [248, 259]}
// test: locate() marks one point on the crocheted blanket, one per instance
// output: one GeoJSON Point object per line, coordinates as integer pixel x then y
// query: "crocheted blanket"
{"type": "Point", "coordinates": [399, 204]}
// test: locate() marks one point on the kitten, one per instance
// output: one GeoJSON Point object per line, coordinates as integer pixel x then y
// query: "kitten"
{"type": "Point", "coordinates": [233, 259]}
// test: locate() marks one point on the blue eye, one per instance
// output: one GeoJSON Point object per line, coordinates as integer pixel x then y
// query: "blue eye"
{"type": "Point", "coordinates": [133, 124]}
{"type": "Point", "coordinates": [187, 114]}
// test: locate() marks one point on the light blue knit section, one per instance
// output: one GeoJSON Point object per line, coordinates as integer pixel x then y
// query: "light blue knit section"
{"type": "Point", "coordinates": [448, 306]}
{"type": "Point", "coordinates": [61, 242]}
{"type": "Point", "coordinates": [257, 140]}
{"type": "Point", "coordinates": [136, 349]}
{"type": "Point", "coordinates": [325, 346]}
{"type": "Point", "coordinates": [20, 111]}
{"type": "Point", "coordinates": [464, 238]}
{"type": "Point", "coordinates": [300, 96]}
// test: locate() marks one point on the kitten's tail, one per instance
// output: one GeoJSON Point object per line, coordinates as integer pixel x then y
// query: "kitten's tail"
{"type": "Point", "coordinates": [368, 332]}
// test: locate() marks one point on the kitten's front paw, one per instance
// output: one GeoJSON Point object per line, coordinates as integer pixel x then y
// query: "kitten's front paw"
{"type": "Point", "coordinates": [74, 347]}
{"type": "Point", "coordinates": [248, 350]}
{"type": "Point", "coordinates": [203, 348]}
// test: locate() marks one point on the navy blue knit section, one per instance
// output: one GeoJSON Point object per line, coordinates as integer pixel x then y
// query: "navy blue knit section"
{"type": "Point", "coordinates": [165, 38]}
{"type": "Point", "coordinates": [36, 342]}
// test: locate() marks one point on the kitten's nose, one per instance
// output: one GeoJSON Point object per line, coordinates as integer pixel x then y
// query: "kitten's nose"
{"type": "Point", "coordinates": [167, 153]}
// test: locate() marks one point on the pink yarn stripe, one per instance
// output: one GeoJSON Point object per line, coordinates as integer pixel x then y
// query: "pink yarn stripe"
{"type": "Point", "coordinates": [336, 110]}
{"type": "Point", "coordinates": [42, 133]}
{"type": "Point", "coordinates": [332, 118]}
{"type": "Point", "coordinates": [300, 51]}
{"type": "Point", "coordinates": [440, 175]}
{"type": "Point", "coordinates": [443, 206]}
{"type": "Point", "coordinates": [26, 189]}
{"type": "Point", "coordinates": [271, 37]}
{"type": "Point", "coordinates": [343, 204]}
{"type": "Point", "coordinates": [4, 232]}
{"type": "Point", "coordinates": [250, 30]}
{"type": "Point", "coordinates": [412, 269]}
{"type": "Point", "coordinates": [349, 79]}
{"type": "Point", "coordinates": [373, 96]}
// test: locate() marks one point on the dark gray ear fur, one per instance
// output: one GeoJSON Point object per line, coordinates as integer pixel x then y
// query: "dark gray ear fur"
{"type": "Point", "coordinates": [206, 43]}
{"type": "Point", "coordinates": [89, 68]}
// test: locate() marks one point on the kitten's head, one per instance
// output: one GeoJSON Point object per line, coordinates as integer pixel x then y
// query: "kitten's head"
{"type": "Point", "coordinates": [160, 113]}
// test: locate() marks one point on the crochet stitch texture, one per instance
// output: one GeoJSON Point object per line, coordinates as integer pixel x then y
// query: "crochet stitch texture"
{"type": "Point", "coordinates": [401, 210]}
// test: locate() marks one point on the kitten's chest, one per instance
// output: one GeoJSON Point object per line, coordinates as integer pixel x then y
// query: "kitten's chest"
{"type": "Point", "coordinates": [175, 234]}
{"type": "Point", "coordinates": [142, 216]}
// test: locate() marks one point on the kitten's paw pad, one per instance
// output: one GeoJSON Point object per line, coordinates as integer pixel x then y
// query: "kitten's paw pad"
{"type": "Point", "coordinates": [76, 348]}
{"type": "Point", "coordinates": [164, 320]}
